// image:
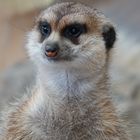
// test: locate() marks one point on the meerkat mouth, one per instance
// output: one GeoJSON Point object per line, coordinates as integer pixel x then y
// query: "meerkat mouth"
{"type": "Point", "coordinates": [58, 58]}
{"type": "Point", "coordinates": [51, 54]}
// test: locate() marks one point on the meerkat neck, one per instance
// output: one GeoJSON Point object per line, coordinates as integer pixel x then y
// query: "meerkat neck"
{"type": "Point", "coordinates": [60, 89]}
{"type": "Point", "coordinates": [67, 83]}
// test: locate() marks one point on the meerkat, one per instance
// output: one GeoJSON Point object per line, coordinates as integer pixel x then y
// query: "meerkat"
{"type": "Point", "coordinates": [70, 45]}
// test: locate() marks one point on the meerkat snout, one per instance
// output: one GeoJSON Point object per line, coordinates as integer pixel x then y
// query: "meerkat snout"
{"type": "Point", "coordinates": [51, 50]}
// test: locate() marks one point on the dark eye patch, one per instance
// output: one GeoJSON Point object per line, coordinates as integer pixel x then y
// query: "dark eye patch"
{"type": "Point", "coordinates": [45, 28]}
{"type": "Point", "coordinates": [73, 31]}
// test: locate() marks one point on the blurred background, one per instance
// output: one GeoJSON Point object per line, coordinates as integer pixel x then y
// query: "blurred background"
{"type": "Point", "coordinates": [17, 73]}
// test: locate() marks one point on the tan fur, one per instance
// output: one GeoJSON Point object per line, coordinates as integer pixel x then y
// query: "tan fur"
{"type": "Point", "coordinates": [71, 100]}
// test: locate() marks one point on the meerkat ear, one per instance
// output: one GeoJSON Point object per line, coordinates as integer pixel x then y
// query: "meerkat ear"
{"type": "Point", "coordinates": [109, 36]}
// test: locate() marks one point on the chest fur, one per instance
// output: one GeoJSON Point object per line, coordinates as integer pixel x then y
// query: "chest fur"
{"type": "Point", "coordinates": [78, 121]}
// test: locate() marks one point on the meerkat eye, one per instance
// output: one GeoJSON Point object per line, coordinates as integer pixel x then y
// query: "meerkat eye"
{"type": "Point", "coordinates": [45, 28]}
{"type": "Point", "coordinates": [74, 31]}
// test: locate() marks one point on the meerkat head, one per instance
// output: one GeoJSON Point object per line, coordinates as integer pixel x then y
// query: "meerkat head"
{"type": "Point", "coordinates": [72, 35]}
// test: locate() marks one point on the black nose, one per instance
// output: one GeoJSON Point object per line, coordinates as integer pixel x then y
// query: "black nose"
{"type": "Point", "coordinates": [51, 50]}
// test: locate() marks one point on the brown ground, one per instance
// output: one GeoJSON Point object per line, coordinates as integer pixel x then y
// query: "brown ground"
{"type": "Point", "coordinates": [13, 31]}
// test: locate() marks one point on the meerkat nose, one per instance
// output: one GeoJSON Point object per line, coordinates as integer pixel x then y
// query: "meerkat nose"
{"type": "Point", "coordinates": [51, 50]}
